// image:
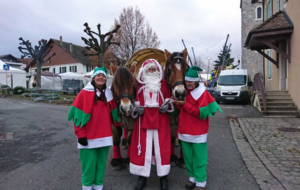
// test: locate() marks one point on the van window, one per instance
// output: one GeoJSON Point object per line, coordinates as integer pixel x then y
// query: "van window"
{"type": "Point", "coordinates": [232, 80]}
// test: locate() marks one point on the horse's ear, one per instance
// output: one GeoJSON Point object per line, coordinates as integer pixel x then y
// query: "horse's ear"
{"type": "Point", "coordinates": [113, 68]}
{"type": "Point", "coordinates": [184, 53]}
{"type": "Point", "coordinates": [132, 68]}
{"type": "Point", "coordinates": [167, 54]}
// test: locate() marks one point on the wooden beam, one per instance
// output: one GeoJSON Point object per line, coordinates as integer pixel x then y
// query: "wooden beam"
{"type": "Point", "coordinates": [268, 57]}
{"type": "Point", "coordinates": [277, 49]}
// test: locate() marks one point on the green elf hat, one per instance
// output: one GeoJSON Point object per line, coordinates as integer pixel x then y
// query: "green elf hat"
{"type": "Point", "coordinates": [98, 71]}
{"type": "Point", "coordinates": [192, 74]}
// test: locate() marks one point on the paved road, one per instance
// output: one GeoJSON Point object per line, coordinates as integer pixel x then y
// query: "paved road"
{"type": "Point", "coordinates": [43, 153]}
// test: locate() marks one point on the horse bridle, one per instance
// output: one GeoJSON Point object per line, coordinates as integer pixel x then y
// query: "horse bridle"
{"type": "Point", "coordinates": [178, 59]}
{"type": "Point", "coordinates": [126, 95]}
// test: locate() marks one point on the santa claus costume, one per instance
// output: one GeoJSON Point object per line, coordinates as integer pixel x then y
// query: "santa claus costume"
{"type": "Point", "coordinates": [152, 128]}
{"type": "Point", "coordinates": [193, 128]}
{"type": "Point", "coordinates": [93, 111]}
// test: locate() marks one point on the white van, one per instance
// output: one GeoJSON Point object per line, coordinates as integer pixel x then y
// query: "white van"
{"type": "Point", "coordinates": [233, 86]}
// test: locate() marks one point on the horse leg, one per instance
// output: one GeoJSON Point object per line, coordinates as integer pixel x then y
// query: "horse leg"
{"type": "Point", "coordinates": [174, 158]}
{"type": "Point", "coordinates": [127, 159]}
{"type": "Point", "coordinates": [124, 139]}
{"type": "Point", "coordinates": [180, 162]}
{"type": "Point", "coordinates": [117, 161]}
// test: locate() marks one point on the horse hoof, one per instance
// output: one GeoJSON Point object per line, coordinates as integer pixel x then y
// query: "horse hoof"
{"type": "Point", "coordinates": [117, 164]}
{"type": "Point", "coordinates": [181, 164]}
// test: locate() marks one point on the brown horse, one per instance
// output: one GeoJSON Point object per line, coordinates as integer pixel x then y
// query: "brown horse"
{"type": "Point", "coordinates": [123, 89]}
{"type": "Point", "coordinates": [174, 73]}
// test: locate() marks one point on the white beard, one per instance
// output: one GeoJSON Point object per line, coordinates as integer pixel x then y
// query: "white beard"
{"type": "Point", "coordinates": [152, 81]}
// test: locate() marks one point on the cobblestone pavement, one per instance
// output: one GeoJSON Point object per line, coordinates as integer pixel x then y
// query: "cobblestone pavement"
{"type": "Point", "coordinates": [270, 147]}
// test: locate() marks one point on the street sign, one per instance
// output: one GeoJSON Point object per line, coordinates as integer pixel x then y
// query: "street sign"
{"type": "Point", "coordinates": [6, 67]}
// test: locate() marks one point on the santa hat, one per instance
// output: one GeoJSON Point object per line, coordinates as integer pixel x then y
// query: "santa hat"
{"type": "Point", "coordinates": [192, 74]}
{"type": "Point", "coordinates": [98, 71]}
{"type": "Point", "coordinates": [146, 65]}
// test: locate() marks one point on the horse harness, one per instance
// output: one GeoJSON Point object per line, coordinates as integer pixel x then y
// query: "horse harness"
{"type": "Point", "coordinates": [178, 58]}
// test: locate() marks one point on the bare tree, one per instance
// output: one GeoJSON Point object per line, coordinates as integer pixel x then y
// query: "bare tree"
{"type": "Point", "coordinates": [134, 35]}
{"type": "Point", "coordinates": [38, 53]}
{"type": "Point", "coordinates": [105, 40]}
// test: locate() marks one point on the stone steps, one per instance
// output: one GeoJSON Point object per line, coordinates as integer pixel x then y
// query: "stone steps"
{"type": "Point", "coordinates": [279, 104]}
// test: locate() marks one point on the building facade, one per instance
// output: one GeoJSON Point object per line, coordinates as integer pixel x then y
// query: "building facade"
{"type": "Point", "coordinates": [278, 40]}
{"type": "Point", "coordinates": [252, 15]}
{"type": "Point", "coordinates": [68, 58]}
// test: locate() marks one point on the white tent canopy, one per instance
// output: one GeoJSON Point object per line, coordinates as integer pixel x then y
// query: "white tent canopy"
{"type": "Point", "coordinates": [70, 75]}
{"type": "Point", "coordinates": [16, 77]}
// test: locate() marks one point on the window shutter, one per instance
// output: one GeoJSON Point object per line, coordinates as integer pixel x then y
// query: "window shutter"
{"type": "Point", "coordinates": [271, 8]}
{"type": "Point", "coordinates": [59, 69]}
{"type": "Point", "coordinates": [70, 68]}
{"type": "Point", "coordinates": [87, 68]}
{"type": "Point", "coordinates": [54, 70]}
{"type": "Point", "coordinates": [65, 69]}
{"type": "Point", "coordinates": [75, 69]}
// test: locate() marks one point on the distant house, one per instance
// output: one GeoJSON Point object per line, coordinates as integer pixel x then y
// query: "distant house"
{"type": "Point", "coordinates": [12, 61]}
{"type": "Point", "coordinates": [68, 58]}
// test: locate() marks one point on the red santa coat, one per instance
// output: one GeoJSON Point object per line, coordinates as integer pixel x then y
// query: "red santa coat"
{"type": "Point", "coordinates": [93, 121]}
{"type": "Point", "coordinates": [152, 128]}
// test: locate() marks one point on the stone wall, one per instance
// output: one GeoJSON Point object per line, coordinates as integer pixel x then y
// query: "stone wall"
{"type": "Point", "coordinates": [251, 60]}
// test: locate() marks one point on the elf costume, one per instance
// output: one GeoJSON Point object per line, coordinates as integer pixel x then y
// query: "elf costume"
{"type": "Point", "coordinates": [92, 124]}
{"type": "Point", "coordinates": [193, 128]}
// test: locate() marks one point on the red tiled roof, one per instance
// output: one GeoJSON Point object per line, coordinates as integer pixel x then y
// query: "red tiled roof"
{"type": "Point", "coordinates": [27, 61]}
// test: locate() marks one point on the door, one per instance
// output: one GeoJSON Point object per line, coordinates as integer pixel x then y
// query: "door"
{"type": "Point", "coordinates": [282, 70]}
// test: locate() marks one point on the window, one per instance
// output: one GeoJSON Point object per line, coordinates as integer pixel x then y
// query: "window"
{"type": "Point", "coordinates": [73, 69]}
{"type": "Point", "coordinates": [266, 12]}
{"type": "Point", "coordinates": [53, 70]}
{"type": "Point", "coordinates": [62, 69]}
{"type": "Point", "coordinates": [269, 65]}
{"type": "Point", "coordinates": [271, 7]}
{"type": "Point", "coordinates": [278, 5]}
{"type": "Point", "coordinates": [88, 68]}
{"type": "Point", "coordinates": [258, 13]}
{"type": "Point", "coordinates": [232, 80]}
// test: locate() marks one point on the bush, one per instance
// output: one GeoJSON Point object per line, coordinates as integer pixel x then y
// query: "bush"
{"type": "Point", "coordinates": [4, 86]}
{"type": "Point", "coordinates": [19, 90]}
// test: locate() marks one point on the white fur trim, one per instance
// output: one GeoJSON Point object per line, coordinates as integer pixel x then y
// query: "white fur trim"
{"type": "Point", "coordinates": [108, 94]}
{"type": "Point", "coordinates": [145, 169]}
{"type": "Point", "coordinates": [98, 72]}
{"type": "Point", "coordinates": [87, 187]}
{"type": "Point", "coordinates": [193, 138]}
{"type": "Point", "coordinates": [197, 92]}
{"type": "Point", "coordinates": [191, 79]}
{"type": "Point", "coordinates": [96, 143]}
{"type": "Point", "coordinates": [162, 170]}
{"type": "Point", "coordinates": [97, 187]}
{"type": "Point", "coordinates": [142, 69]}
{"type": "Point", "coordinates": [192, 179]}
{"type": "Point", "coordinates": [201, 184]}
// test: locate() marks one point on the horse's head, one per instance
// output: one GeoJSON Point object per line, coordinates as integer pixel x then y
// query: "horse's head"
{"type": "Point", "coordinates": [123, 88]}
{"type": "Point", "coordinates": [174, 73]}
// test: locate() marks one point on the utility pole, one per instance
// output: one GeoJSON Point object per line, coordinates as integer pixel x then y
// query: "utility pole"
{"type": "Point", "coordinates": [208, 68]}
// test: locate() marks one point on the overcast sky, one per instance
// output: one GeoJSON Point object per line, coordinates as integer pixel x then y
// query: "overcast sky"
{"type": "Point", "coordinates": [201, 23]}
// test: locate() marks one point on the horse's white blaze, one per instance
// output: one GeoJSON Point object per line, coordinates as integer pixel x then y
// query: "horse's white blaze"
{"type": "Point", "coordinates": [178, 66]}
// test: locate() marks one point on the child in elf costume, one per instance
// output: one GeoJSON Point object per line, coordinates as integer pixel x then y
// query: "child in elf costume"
{"type": "Point", "coordinates": [193, 126]}
{"type": "Point", "coordinates": [93, 112]}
